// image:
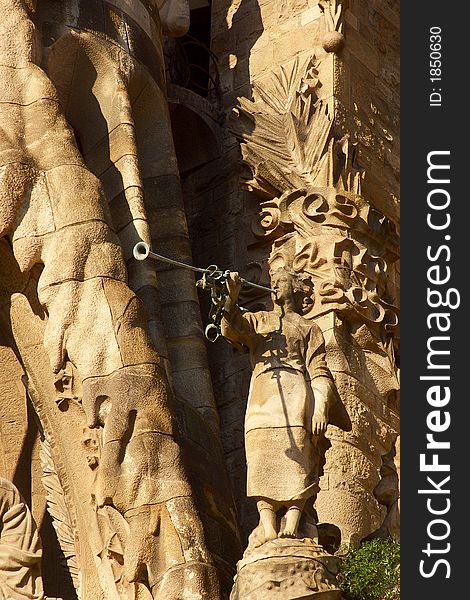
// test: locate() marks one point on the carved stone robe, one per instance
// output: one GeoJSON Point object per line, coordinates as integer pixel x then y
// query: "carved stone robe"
{"type": "Point", "coordinates": [287, 352]}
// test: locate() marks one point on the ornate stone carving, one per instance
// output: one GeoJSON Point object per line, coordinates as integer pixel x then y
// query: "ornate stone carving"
{"type": "Point", "coordinates": [314, 221]}
{"type": "Point", "coordinates": [62, 521]}
{"type": "Point", "coordinates": [332, 38]}
{"type": "Point", "coordinates": [20, 548]}
{"type": "Point", "coordinates": [286, 131]}
{"type": "Point", "coordinates": [315, 216]}
{"type": "Point", "coordinates": [128, 521]}
{"type": "Point", "coordinates": [350, 273]}
{"type": "Point", "coordinates": [287, 568]}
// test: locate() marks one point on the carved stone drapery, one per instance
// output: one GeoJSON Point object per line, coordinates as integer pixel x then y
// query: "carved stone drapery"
{"type": "Point", "coordinates": [20, 548]}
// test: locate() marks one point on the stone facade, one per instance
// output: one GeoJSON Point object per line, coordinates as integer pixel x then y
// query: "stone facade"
{"type": "Point", "coordinates": [265, 137]}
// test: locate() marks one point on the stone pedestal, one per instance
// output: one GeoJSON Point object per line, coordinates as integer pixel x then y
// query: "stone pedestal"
{"type": "Point", "coordinates": [287, 569]}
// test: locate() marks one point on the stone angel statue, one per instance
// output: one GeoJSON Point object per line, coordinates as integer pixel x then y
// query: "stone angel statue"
{"type": "Point", "coordinates": [292, 400]}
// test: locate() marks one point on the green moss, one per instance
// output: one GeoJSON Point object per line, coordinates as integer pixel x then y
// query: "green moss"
{"type": "Point", "coordinates": [372, 571]}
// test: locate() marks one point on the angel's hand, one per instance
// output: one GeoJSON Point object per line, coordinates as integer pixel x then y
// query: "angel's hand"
{"type": "Point", "coordinates": [234, 285]}
{"type": "Point", "coordinates": [319, 422]}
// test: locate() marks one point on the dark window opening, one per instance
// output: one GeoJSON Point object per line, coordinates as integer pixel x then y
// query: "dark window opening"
{"type": "Point", "coordinates": [189, 60]}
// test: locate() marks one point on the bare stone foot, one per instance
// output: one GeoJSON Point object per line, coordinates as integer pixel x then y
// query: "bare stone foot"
{"type": "Point", "coordinates": [286, 533]}
{"type": "Point", "coordinates": [267, 519]}
{"type": "Point", "coordinates": [292, 518]}
{"type": "Point", "coordinates": [269, 534]}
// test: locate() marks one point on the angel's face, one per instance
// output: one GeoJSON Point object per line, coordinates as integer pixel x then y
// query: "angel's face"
{"type": "Point", "coordinates": [282, 284]}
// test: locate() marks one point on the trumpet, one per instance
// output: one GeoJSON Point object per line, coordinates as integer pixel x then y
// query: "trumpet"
{"type": "Point", "coordinates": [213, 279]}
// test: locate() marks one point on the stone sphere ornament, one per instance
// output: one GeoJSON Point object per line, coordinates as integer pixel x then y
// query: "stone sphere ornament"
{"type": "Point", "coordinates": [333, 41]}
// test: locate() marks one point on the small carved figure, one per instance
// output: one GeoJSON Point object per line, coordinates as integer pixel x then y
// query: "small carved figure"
{"type": "Point", "coordinates": [291, 401]}
{"type": "Point", "coordinates": [20, 548]}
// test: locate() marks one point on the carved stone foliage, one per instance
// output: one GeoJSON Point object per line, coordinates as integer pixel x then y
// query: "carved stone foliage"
{"type": "Point", "coordinates": [313, 214]}
{"type": "Point", "coordinates": [62, 519]}
{"type": "Point", "coordinates": [313, 219]}
{"type": "Point", "coordinates": [342, 243]}
{"type": "Point", "coordinates": [286, 131]}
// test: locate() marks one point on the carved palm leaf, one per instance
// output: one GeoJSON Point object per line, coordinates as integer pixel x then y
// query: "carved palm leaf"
{"type": "Point", "coordinates": [285, 131]}
{"type": "Point", "coordinates": [59, 512]}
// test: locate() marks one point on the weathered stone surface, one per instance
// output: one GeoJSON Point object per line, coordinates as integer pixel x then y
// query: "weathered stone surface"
{"type": "Point", "coordinates": [114, 406]}
{"type": "Point", "coordinates": [89, 166]}
{"type": "Point", "coordinates": [287, 569]}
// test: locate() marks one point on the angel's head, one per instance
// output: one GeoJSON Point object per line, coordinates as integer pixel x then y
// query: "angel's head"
{"type": "Point", "coordinates": [291, 287]}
